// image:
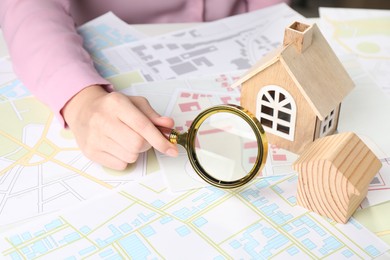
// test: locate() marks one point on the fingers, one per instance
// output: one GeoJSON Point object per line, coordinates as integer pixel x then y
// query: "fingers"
{"type": "Point", "coordinates": [111, 154]}
{"type": "Point", "coordinates": [127, 138]}
{"type": "Point", "coordinates": [98, 145]}
{"type": "Point", "coordinates": [117, 150]}
{"type": "Point", "coordinates": [141, 121]}
{"type": "Point", "coordinates": [109, 161]}
{"type": "Point", "coordinates": [107, 152]}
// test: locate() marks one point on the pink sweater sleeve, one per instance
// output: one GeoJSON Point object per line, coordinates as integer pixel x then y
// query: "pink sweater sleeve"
{"type": "Point", "coordinates": [46, 50]}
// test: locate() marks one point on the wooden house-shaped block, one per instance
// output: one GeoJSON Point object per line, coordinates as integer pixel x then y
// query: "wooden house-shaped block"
{"type": "Point", "coordinates": [296, 91]}
{"type": "Point", "coordinates": [334, 174]}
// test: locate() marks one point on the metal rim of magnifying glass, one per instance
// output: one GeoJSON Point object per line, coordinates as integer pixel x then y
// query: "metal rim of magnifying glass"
{"type": "Point", "coordinates": [261, 139]}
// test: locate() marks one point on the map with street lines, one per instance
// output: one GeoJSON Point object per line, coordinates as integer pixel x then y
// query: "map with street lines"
{"type": "Point", "coordinates": [55, 203]}
{"type": "Point", "coordinates": [147, 221]}
{"type": "Point", "coordinates": [41, 167]}
{"type": "Point", "coordinates": [203, 50]}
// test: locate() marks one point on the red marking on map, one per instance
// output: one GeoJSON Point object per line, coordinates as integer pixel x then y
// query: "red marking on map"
{"type": "Point", "coordinates": [211, 131]}
{"type": "Point", "coordinates": [279, 157]}
{"type": "Point", "coordinates": [190, 106]}
{"type": "Point", "coordinates": [250, 145]}
{"type": "Point", "coordinates": [252, 160]}
{"type": "Point", "coordinates": [215, 130]}
{"type": "Point", "coordinates": [225, 100]}
{"type": "Point", "coordinates": [188, 123]}
{"type": "Point", "coordinates": [221, 77]}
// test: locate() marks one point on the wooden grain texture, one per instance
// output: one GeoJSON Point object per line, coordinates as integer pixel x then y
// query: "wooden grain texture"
{"type": "Point", "coordinates": [334, 174]}
{"type": "Point", "coordinates": [298, 34]}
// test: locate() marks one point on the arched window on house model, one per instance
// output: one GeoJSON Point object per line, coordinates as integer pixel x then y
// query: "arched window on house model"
{"type": "Point", "coordinates": [276, 110]}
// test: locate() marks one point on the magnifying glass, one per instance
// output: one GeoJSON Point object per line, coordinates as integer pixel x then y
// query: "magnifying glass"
{"type": "Point", "coordinates": [226, 145]}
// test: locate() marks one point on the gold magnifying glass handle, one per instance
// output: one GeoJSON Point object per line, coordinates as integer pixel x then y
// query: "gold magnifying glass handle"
{"type": "Point", "coordinates": [174, 136]}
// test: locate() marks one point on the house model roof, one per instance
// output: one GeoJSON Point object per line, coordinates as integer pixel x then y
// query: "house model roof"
{"type": "Point", "coordinates": [334, 174]}
{"type": "Point", "coordinates": [313, 66]}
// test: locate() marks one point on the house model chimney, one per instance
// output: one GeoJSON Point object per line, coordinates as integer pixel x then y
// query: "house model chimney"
{"type": "Point", "coordinates": [299, 34]}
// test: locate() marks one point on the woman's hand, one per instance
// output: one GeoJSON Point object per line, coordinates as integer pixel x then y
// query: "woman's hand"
{"type": "Point", "coordinates": [113, 129]}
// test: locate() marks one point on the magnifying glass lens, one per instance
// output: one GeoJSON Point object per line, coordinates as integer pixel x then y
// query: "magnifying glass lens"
{"type": "Point", "coordinates": [226, 146]}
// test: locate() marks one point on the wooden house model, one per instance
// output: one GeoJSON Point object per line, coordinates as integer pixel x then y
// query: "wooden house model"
{"type": "Point", "coordinates": [297, 90]}
{"type": "Point", "coordinates": [334, 174]}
